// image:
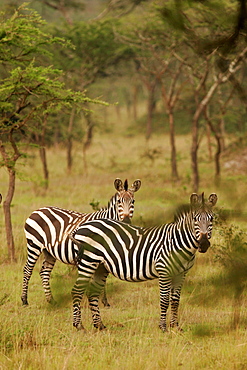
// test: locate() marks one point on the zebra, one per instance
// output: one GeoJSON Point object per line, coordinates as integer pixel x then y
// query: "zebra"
{"type": "Point", "coordinates": [47, 230]}
{"type": "Point", "coordinates": [137, 254]}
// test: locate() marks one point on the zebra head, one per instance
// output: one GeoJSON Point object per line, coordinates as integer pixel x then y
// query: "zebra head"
{"type": "Point", "coordinates": [125, 199]}
{"type": "Point", "coordinates": [202, 219]}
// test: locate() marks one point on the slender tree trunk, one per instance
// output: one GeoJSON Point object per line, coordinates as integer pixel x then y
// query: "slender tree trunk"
{"type": "Point", "coordinates": [210, 155]}
{"type": "Point", "coordinates": [194, 162]}
{"type": "Point", "coordinates": [42, 151]}
{"type": "Point", "coordinates": [173, 146]}
{"type": "Point", "coordinates": [135, 98]}
{"type": "Point", "coordinates": [7, 215]}
{"type": "Point", "coordinates": [10, 162]}
{"type": "Point", "coordinates": [150, 110]}
{"type": "Point", "coordinates": [70, 141]}
{"type": "Point", "coordinates": [89, 137]}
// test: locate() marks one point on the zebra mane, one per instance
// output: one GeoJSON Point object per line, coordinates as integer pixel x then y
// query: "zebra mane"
{"type": "Point", "coordinates": [111, 201]}
{"type": "Point", "coordinates": [181, 211]}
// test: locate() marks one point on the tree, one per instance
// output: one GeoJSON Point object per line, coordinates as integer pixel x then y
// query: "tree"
{"type": "Point", "coordinates": [96, 55]}
{"type": "Point", "coordinates": [209, 30]}
{"type": "Point", "coordinates": [29, 93]}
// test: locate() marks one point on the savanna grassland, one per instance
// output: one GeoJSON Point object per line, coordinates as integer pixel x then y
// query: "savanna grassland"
{"type": "Point", "coordinates": [213, 313]}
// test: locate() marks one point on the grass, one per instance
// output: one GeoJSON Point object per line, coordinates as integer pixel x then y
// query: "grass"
{"type": "Point", "coordinates": [41, 336]}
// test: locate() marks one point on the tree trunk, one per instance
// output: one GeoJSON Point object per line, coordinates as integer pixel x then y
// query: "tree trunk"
{"type": "Point", "coordinates": [9, 162]}
{"type": "Point", "coordinates": [7, 215]}
{"type": "Point", "coordinates": [89, 137]}
{"type": "Point", "coordinates": [150, 110]}
{"type": "Point", "coordinates": [135, 98]}
{"type": "Point", "coordinates": [70, 141]}
{"type": "Point", "coordinates": [173, 146]}
{"type": "Point", "coordinates": [42, 153]}
{"type": "Point", "coordinates": [210, 156]}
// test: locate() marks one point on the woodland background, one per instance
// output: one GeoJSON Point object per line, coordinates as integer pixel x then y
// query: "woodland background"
{"type": "Point", "coordinates": [94, 90]}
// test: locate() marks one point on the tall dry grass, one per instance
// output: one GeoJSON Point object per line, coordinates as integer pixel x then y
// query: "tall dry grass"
{"type": "Point", "coordinates": [41, 336]}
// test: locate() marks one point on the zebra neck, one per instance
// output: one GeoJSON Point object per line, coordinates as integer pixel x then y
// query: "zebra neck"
{"type": "Point", "coordinates": [184, 234]}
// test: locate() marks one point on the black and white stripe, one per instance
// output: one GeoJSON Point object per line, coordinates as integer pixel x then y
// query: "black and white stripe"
{"type": "Point", "coordinates": [136, 254]}
{"type": "Point", "coordinates": [48, 228]}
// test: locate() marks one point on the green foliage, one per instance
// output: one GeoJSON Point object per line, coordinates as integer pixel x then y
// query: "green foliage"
{"type": "Point", "coordinates": [31, 91]}
{"type": "Point", "coordinates": [96, 54]}
{"type": "Point", "coordinates": [95, 205]}
{"type": "Point", "coordinates": [232, 254]}
{"type": "Point", "coordinates": [23, 38]}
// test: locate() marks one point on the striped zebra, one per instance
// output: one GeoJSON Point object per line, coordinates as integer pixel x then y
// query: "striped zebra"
{"type": "Point", "coordinates": [47, 230]}
{"type": "Point", "coordinates": [137, 254]}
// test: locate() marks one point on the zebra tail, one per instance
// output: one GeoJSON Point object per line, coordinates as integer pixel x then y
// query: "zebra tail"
{"type": "Point", "coordinates": [80, 251]}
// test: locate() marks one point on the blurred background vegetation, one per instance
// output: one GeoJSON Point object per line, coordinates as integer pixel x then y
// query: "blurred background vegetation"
{"type": "Point", "coordinates": [97, 89]}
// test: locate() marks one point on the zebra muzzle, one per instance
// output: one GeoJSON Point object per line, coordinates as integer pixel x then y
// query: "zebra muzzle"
{"type": "Point", "coordinates": [204, 243]}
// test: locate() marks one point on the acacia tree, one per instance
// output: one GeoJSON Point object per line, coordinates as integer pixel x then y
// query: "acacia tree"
{"type": "Point", "coordinates": [29, 93]}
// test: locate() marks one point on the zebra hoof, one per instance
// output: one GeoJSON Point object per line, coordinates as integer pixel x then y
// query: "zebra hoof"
{"type": "Point", "coordinates": [163, 328]}
{"type": "Point", "coordinates": [52, 302]}
{"type": "Point", "coordinates": [176, 328]}
{"type": "Point", "coordinates": [100, 326]}
{"type": "Point", "coordinates": [24, 302]}
{"type": "Point", "coordinates": [79, 327]}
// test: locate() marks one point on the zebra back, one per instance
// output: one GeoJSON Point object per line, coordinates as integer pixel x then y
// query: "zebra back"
{"type": "Point", "coordinates": [49, 227]}
{"type": "Point", "coordinates": [131, 252]}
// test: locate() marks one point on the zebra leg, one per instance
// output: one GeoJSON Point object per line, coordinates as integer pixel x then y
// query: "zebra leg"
{"type": "Point", "coordinates": [165, 287]}
{"type": "Point", "coordinates": [97, 284]}
{"type": "Point", "coordinates": [33, 253]}
{"type": "Point", "coordinates": [177, 283]}
{"type": "Point", "coordinates": [45, 274]}
{"type": "Point", "coordinates": [85, 273]}
{"type": "Point", "coordinates": [104, 299]}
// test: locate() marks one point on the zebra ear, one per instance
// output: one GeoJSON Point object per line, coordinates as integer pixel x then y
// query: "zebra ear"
{"type": "Point", "coordinates": [212, 199]}
{"type": "Point", "coordinates": [118, 184]}
{"type": "Point", "coordinates": [135, 186]}
{"type": "Point", "coordinates": [193, 199]}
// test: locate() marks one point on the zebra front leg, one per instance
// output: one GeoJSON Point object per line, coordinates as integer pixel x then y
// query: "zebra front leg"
{"type": "Point", "coordinates": [45, 274]}
{"type": "Point", "coordinates": [177, 283]}
{"type": "Point", "coordinates": [104, 299]}
{"type": "Point", "coordinates": [165, 287]}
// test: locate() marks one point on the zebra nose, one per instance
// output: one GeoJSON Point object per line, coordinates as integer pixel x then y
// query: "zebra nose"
{"type": "Point", "coordinates": [127, 220]}
{"type": "Point", "coordinates": [204, 243]}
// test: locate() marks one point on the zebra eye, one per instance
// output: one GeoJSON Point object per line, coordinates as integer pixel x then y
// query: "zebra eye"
{"type": "Point", "coordinates": [133, 201]}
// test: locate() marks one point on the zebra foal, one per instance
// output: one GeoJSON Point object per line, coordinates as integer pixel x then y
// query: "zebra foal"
{"type": "Point", "coordinates": [137, 254]}
{"type": "Point", "coordinates": [47, 230]}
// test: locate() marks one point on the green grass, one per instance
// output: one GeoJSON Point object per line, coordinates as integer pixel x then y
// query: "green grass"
{"type": "Point", "coordinates": [41, 336]}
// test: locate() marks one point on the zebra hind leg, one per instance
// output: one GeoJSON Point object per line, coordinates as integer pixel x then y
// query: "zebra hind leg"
{"type": "Point", "coordinates": [33, 253]}
{"type": "Point", "coordinates": [81, 285]}
{"type": "Point", "coordinates": [96, 286]}
{"type": "Point", "coordinates": [45, 274]}
{"type": "Point", "coordinates": [177, 283]}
